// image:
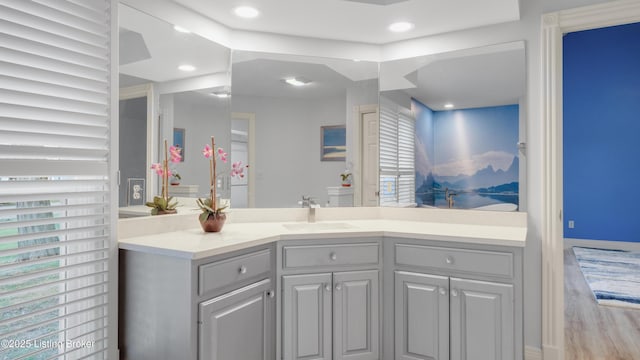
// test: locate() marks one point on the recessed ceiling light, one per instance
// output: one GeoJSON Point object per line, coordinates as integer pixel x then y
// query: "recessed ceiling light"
{"type": "Point", "coordinates": [186, 67]}
{"type": "Point", "coordinates": [296, 81]}
{"type": "Point", "coordinates": [356, 60]}
{"type": "Point", "coordinates": [181, 29]}
{"type": "Point", "coordinates": [401, 26]}
{"type": "Point", "coordinates": [246, 12]}
{"type": "Point", "coordinates": [448, 106]}
{"type": "Point", "coordinates": [221, 94]}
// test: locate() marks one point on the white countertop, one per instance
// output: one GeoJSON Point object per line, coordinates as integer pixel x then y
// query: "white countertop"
{"type": "Point", "coordinates": [189, 241]}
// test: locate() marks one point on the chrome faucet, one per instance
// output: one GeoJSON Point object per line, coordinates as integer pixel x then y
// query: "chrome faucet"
{"type": "Point", "coordinates": [310, 202]}
{"type": "Point", "coordinates": [449, 197]}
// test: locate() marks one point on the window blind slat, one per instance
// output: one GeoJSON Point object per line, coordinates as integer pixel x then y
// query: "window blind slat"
{"type": "Point", "coordinates": [12, 212]}
{"type": "Point", "coordinates": [45, 89]}
{"type": "Point", "coordinates": [48, 20]}
{"type": "Point", "coordinates": [43, 76]}
{"type": "Point", "coordinates": [30, 167]}
{"type": "Point", "coordinates": [46, 234]}
{"type": "Point", "coordinates": [36, 153]}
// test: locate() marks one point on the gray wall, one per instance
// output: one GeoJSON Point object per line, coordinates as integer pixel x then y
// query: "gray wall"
{"type": "Point", "coordinates": [287, 147]}
{"type": "Point", "coordinates": [133, 144]}
{"type": "Point", "coordinates": [201, 120]}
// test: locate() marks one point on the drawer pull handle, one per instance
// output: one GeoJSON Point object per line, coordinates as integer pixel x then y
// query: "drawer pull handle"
{"type": "Point", "coordinates": [454, 292]}
{"type": "Point", "coordinates": [338, 287]}
{"type": "Point", "coordinates": [449, 260]}
{"type": "Point", "coordinates": [242, 270]}
{"type": "Point", "coordinates": [327, 287]}
{"type": "Point", "coordinates": [443, 291]}
{"type": "Point", "coordinates": [333, 256]}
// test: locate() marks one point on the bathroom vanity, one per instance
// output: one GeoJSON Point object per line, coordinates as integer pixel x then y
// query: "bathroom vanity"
{"type": "Point", "coordinates": [429, 286]}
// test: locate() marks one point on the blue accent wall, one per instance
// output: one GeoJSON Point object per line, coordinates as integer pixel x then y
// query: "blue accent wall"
{"type": "Point", "coordinates": [601, 132]}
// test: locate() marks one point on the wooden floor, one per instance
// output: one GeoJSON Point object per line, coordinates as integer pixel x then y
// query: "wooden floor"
{"type": "Point", "coordinates": [594, 331]}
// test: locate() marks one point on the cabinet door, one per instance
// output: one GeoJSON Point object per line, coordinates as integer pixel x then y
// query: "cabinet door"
{"type": "Point", "coordinates": [306, 317]}
{"type": "Point", "coordinates": [237, 325]}
{"type": "Point", "coordinates": [421, 316]}
{"type": "Point", "coordinates": [356, 315]}
{"type": "Point", "coordinates": [482, 320]}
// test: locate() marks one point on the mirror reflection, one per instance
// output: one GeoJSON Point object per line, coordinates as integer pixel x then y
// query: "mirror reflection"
{"type": "Point", "coordinates": [174, 85]}
{"type": "Point", "coordinates": [462, 109]}
{"type": "Point", "coordinates": [300, 122]}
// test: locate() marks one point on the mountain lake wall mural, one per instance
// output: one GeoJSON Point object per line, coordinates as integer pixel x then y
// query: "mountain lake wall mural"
{"type": "Point", "coordinates": [469, 155]}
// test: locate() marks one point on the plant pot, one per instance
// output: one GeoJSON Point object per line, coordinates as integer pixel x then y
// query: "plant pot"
{"type": "Point", "coordinates": [346, 185]}
{"type": "Point", "coordinates": [166, 212]}
{"type": "Point", "coordinates": [213, 222]}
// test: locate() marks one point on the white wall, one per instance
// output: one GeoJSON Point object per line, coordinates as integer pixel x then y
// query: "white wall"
{"type": "Point", "coordinates": [287, 133]}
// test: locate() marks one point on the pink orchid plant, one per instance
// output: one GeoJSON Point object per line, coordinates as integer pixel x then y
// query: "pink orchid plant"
{"type": "Point", "coordinates": [210, 206]}
{"type": "Point", "coordinates": [163, 203]}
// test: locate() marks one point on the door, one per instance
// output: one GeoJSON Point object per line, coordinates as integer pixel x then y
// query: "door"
{"type": "Point", "coordinates": [238, 325]}
{"type": "Point", "coordinates": [306, 317]}
{"type": "Point", "coordinates": [482, 320]}
{"type": "Point", "coordinates": [356, 315]}
{"type": "Point", "coordinates": [421, 316]}
{"type": "Point", "coordinates": [370, 154]}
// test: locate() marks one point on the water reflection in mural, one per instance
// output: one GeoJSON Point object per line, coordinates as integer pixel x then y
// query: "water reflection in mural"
{"type": "Point", "coordinates": [467, 158]}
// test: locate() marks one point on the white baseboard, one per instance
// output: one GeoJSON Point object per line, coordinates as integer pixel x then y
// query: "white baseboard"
{"type": "Point", "coordinates": [532, 353]}
{"type": "Point", "coordinates": [602, 244]}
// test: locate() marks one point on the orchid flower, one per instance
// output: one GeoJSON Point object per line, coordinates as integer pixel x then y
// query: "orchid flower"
{"type": "Point", "coordinates": [175, 154]}
{"type": "Point", "coordinates": [157, 168]}
{"type": "Point", "coordinates": [207, 151]}
{"type": "Point", "coordinates": [222, 155]}
{"type": "Point", "coordinates": [237, 169]}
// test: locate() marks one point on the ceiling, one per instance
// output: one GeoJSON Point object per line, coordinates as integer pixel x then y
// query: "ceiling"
{"type": "Point", "coordinates": [363, 21]}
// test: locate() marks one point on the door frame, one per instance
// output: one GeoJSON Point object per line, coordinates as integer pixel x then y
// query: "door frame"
{"type": "Point", "coordinates": [356, 155]}
{"type": "Point", "coordinates": [251, 141]}
{"type": "Point", "coordinates": [554, 26]}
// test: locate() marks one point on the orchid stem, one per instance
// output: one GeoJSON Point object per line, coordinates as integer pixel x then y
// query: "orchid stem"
{"type": "Point", "coordinates": [213, 174]}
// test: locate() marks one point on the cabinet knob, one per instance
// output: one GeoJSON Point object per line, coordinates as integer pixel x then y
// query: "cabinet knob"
{"type": "Point", "coordinates": [271, 293]}
{"type": "Point", "coordinates": [449, 260]}
{"type": "Point", "coordinates": [242, 270]}
{"type": "Point", "coordinates": [327, 287]}
{"type": "Point", "coordinates": [443, 291]}
{"type": "Point", "coordinates": [338, 287]}
{"type": "Point", "coordinates": [333, 256]}
{"type": "Point", "coordinates": [454, 292]}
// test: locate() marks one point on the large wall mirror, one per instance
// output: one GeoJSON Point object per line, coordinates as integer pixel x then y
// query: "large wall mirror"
{"type": "Point", "coordinates": [300, 122]}
{"type": "Point", "coordinates": [463, 112]}
{"type": "Point", "coordinates": [174, 86]}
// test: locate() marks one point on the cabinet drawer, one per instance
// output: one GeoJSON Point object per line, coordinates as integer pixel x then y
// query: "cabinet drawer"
{"type": "Point", "coordinates": [225, 272]}
{"type": "Point", "coordinates": [493, 263]}
{"type": "Point", "coordinates": [330, 255]}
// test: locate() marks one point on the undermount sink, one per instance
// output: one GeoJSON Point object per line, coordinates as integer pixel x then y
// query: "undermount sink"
{"type": "Point", "coordinates": [318, 226]}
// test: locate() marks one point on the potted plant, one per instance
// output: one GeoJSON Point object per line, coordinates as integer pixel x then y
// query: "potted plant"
{"type": "Point", "coordinates": [346, 178]}
{"type": "Point", "coordinates": [213, 217]}
{"type": "Point", "coordinates": [164, 204]}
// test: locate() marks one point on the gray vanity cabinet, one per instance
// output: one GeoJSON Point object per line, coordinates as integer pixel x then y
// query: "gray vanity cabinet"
{"type": "Point", "coordinates": [482, 320]}
{"type": "Point", "coordinates": [307, 308]}
{"type": "Point", "coordinates": [456, 303]}
{"type": "Point", "coordinates": [215, 308]}
{"type": "Point", "coordinates": [331, 311]}
{"type": "Point", "coordinates": [443, 318]}
{"type": "Point", "coordinates": [421, 316]}
{"type": "Point", "coordinates": [237, 325]}
{"type": "Point", "coordinates": [330, 301]}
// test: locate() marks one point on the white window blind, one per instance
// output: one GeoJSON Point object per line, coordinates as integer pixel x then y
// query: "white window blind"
{"type": "Point", "coordinates": [397, 155]}
{"type": "Point", "coordinates": [55, 97]}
